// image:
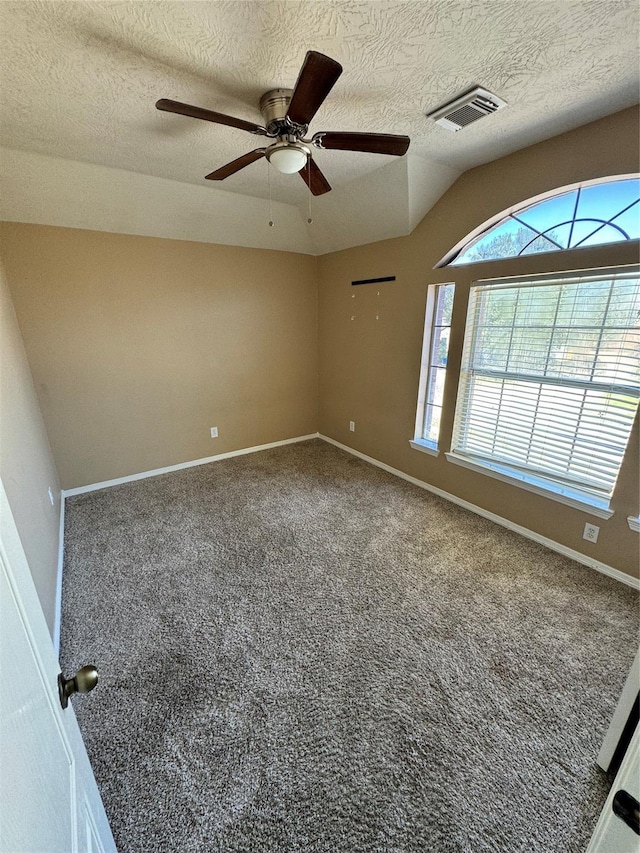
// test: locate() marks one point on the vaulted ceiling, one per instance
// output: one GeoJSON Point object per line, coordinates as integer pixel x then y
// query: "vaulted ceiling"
{"type": "Point", "coordinates": [84, 146]}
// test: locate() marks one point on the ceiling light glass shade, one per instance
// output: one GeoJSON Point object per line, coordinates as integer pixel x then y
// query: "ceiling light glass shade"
{"type": "Point", "coordinates": [288, 159]}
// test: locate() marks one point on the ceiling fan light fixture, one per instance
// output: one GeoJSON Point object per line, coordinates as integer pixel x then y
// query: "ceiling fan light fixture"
{"type": "Point", "coordinates": [288, 157]}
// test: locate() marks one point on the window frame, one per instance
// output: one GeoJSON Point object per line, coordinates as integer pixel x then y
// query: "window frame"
{"type": "Point", "coordinates": [418, 442]}
{"type": "Point", "coordinates": [541, 484]}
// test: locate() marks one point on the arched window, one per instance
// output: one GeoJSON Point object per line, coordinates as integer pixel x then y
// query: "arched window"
{"type": "Point", "coordinates": [572, 218]}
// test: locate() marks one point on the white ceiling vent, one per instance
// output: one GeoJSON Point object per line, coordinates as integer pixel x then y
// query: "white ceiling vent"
{"type": "Point", "coordinates": [476, 104]}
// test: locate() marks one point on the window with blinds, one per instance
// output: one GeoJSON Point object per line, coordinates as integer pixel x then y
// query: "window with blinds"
{"type": "Point", "coordinates": [435, 349]}
{"type": "Point", "coordinates": [550, 379]}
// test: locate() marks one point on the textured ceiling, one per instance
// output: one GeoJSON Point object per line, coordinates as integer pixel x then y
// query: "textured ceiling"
{"type": "Point", "coordinates": [78, 80]}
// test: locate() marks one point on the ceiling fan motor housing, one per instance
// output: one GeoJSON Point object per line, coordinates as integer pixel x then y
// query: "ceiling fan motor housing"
{"type": "Point", "coordinates": [273, 106]}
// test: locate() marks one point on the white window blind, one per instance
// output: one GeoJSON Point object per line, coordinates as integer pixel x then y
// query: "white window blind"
{"type": "Point", "coordinates": [550, 377]}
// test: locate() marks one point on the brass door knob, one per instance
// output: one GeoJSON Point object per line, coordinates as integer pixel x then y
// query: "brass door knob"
{"type": "Point", "coordinates": [83, 681]}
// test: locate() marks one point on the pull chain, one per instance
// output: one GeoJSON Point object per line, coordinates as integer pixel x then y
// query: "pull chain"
{"type": "Point", "coordinates": [271, 223]}
{"type": "Point", "coordinates": [309, 220]}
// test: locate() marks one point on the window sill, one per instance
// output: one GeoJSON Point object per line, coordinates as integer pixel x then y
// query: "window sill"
{"type": "Point", "coordinates": [424, 446]}
{"type": "Point", "coordinates": [634, 522]}
{"type": "Point", "coordinates": [537, 485]}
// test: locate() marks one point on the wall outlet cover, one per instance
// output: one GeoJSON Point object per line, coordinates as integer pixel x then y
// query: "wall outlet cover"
{"type": "Point", "coordinates": [214, 432]}
{"type": "Point", "coordinates": [352, 426]}
{"type": "Point", "coordinates": [591, 532]}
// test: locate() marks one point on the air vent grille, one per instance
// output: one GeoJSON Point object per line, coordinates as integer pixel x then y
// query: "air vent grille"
{"type": "Point", "coordinates": [476, 104]}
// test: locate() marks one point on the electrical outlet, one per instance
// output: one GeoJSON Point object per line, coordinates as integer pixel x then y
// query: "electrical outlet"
{"type": "Point", "coordinates": [352, 426]}
{"type": "Point", "coordinates": [214, 432]}
{"type": "Point", "coordinates": [591, 532]}
{"type": "Point", "coordinates": [51, 496]}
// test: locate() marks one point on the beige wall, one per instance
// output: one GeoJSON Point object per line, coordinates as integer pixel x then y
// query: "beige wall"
{"type": "Point", "coordinates": [139, 345]}
{"type": "Point", "coordinates": [26, 464]}
{"type": "Point", "coordinates": [369, 368]}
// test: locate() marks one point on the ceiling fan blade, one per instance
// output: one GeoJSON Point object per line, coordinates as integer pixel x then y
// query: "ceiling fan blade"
{"type": "Point", "coordinates": [316, 79]}
{"type": "Point", "coordinates": [235, 165]}
{"type": "Point", "coordinates": [374, 143]}
{"type": "Point", "coordinates": [208, 115]}
{"type": "Point", "coordinates": [314, 179]}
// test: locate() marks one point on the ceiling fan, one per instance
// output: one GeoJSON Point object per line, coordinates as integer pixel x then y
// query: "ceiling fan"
{"type": "Point", "coordinates": [287, 114]}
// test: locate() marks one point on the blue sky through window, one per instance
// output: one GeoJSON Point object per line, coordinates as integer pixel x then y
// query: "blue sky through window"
{"type": "Point", "coordinates": [588, 216]}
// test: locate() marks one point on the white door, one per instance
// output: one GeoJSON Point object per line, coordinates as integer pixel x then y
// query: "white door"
{"type": "Point", "coordinates": [617, 829]}
{"type": "Point", "coordinates": [49, 800]}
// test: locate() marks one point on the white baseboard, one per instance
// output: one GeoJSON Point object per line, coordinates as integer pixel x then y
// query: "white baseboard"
{"type": "Point", "coordinates": [504, 522]}
{"type": "Point", "coordinates": [58, 614]}
{"type": "Point", "coordinates": [130, 478]}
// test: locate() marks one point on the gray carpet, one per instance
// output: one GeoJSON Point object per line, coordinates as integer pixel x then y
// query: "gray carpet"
{"type": "Point", "coordinates": [300, 652]}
